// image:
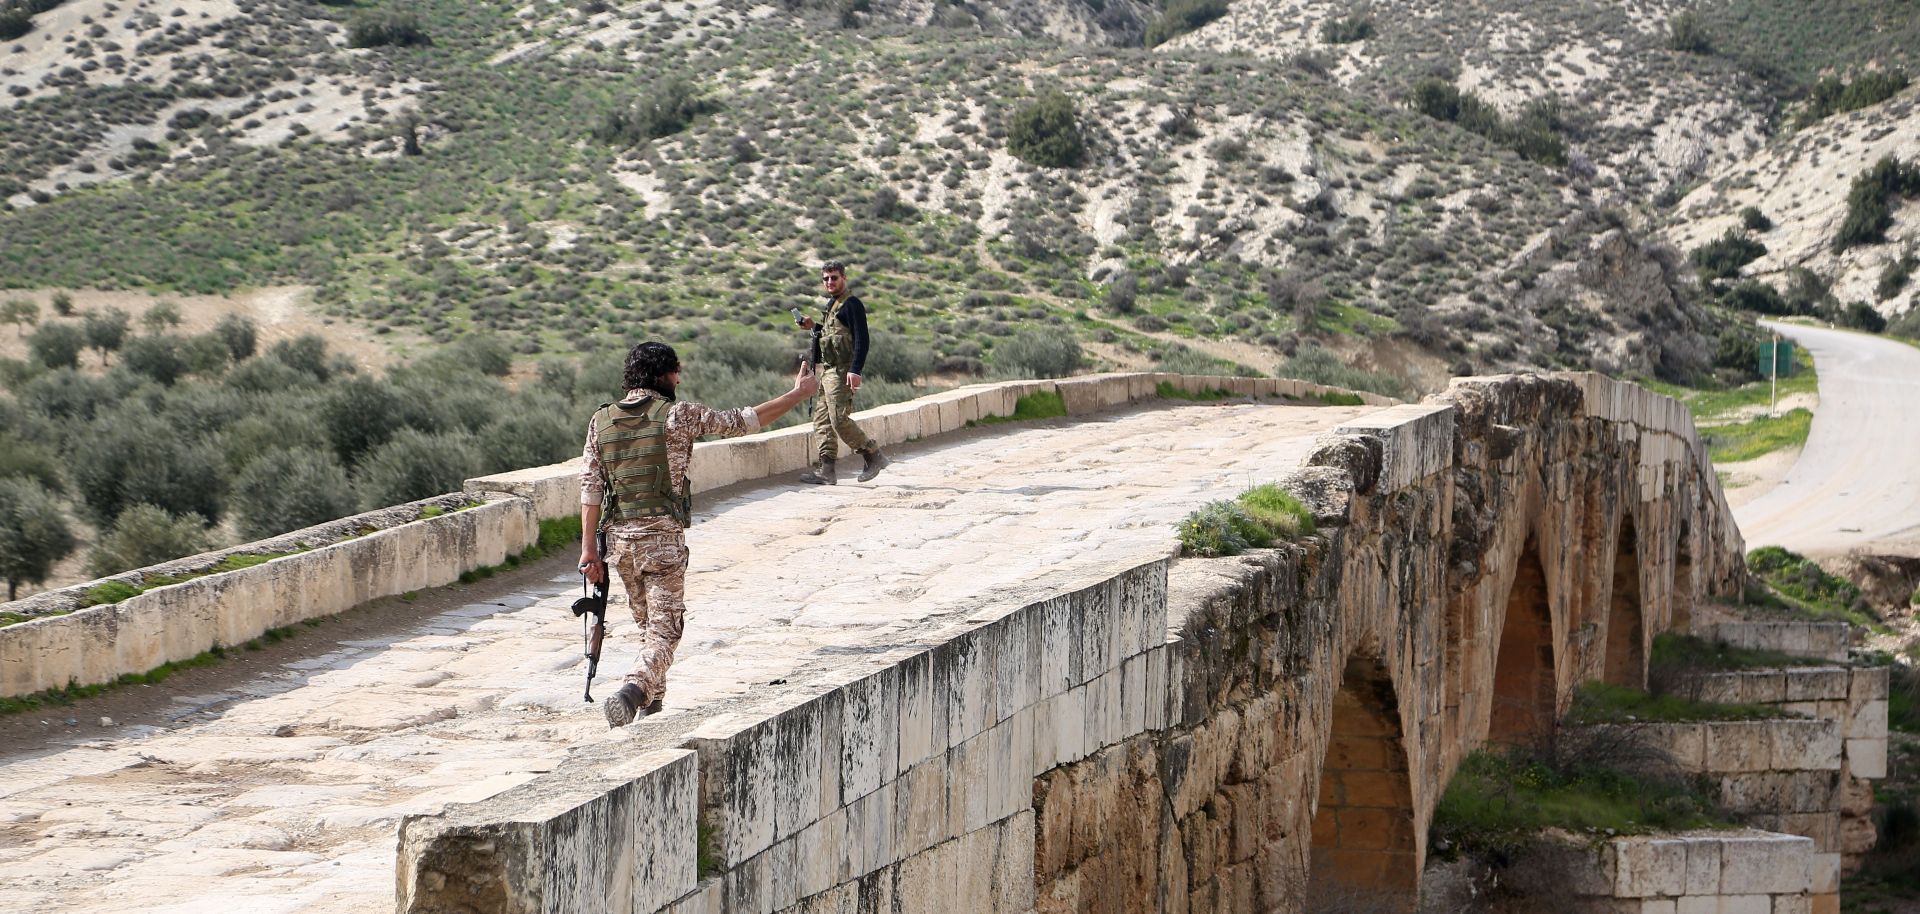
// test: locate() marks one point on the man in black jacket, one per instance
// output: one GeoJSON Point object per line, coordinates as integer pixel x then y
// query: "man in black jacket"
{"type": "Point", "coordinates": [840, 346]}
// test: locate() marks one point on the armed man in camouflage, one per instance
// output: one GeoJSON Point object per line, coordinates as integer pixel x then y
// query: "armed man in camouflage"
{"type": "Point", "coordinates": [635, 481]}
{"type": "Point", "coordinates": [840, 349]}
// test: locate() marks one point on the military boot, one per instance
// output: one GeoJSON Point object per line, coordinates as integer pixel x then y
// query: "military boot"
{"type": "Point", "coordinates": [876, 462]}
{"type": "Point", "coordinates": [821, 474]}
{"type": "Point", "coordinates": [621, 706]}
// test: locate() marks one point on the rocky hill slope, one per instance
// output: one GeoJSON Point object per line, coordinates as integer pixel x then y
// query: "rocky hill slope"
{"type": "Point", "coordinates": [573, 173]}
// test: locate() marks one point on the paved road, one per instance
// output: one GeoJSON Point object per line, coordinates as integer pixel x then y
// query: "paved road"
{"type": "Point", "coordinates": [1857, 482]}
{"type": "Point", "coordinates": [283, 799]}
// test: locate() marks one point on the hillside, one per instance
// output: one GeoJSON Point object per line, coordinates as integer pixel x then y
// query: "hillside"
{"type": "Point", "coordinates": [1801, 185]}
{"type": "Point", "coordinates": [1254, 202]}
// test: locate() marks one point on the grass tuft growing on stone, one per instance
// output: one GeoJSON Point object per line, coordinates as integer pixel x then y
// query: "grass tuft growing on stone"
{"type": "Point", "coordinates": [1604, 703]}
{"type": "Point", "coordinates": [1165, 390]}
{"type": "Point", "coordinates": [73, 692]}
{"type": "Point", "coordinates": [1258, 518]}
{"type": "Point", "coordinates": [1041, 404]}
{"type": "Point", "coordinates": [1692, 653]}
{"type": "Point", "coordinates": [1498, 803]}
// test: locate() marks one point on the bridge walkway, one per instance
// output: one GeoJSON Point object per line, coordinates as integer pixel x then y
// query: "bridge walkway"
{"type": "Point", "coordinates": [284, 796]}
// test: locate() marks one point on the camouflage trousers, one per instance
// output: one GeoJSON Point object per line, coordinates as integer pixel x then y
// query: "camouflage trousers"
{"type": "Point", "coordinates": [654, 570]}
{"type": "Point", "coordinates": [833, 415]}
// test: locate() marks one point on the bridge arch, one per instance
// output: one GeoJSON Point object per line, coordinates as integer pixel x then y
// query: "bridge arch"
{"type": "Point", "coordinates": [1364, 848]}
{"type": "Point", "coordinates": [1525, 685]}
{"type": "Point", "coordinates": [1626, 658]}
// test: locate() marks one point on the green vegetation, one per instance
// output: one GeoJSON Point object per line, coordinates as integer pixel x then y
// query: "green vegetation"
{"type": "Point", "coordinates": [1895, 275]}
{"type": "Point", "coordinates": [1830, 96]}
{"type": "Point", "coordinates": [1535, 134]}
{"type": "Point", "coordinates": [107, 593]}
{"type": "Point", "coordinates": [1807, 589]}
{"type": "Point", "coordinates": [1793, 43]}
{"type": "Point", "coordinates": [1041, 404]}
{"type": "Point", "coordinates": [1678, 652]}
{"type": "Point", "coordinates": [1686, 34]}
{"type": "Point", "coordinates": [1723, 257]}
{"type": "Point", "coordinates": [1166, 391]}
{"type": "Point", "coordinates": [1046, 132]}
{"type": "Point", "coordinates": [1354, 28]}
{"type": "Point", "coordinates": [555, 535]}
{"type": "Point", "coordinates": [1602, 703]}
{"type": "Point", "coordinates": [664, 109]}
{"type": "Point", "coordinates": [1320, 366]}
{"type": "Point", "coordinates": [33, 533]}
{"type": "Point", "coordinates": [381, 29]}
{"type": "Point", "coordinates": [1870, 202]}
{"type": "Point", "coordinates": [1044, 352]}
{"type": "Point", "coordinates": [1757, 437]}
{"type": "Point", "coordinates": [1499, 803]}
{"type": "Point", "coordinates": [1710, 405]}
{"type": "Point", "coordinates": [73, 692]}
{"type": "Point", "coordinates": [1181, 17]}
{"type": "Point", "coordinates": [1258, 518]}
{"type": "Point", "coordinates": [145, 535]}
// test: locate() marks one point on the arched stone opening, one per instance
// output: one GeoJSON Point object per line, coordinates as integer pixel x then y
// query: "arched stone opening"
{"type": "Point", "coordinates": [1363, 849]}
{"type": "Point", "coordinates": [1524, 696]}
{"type": "Point", "coordinates": [1626, 635]}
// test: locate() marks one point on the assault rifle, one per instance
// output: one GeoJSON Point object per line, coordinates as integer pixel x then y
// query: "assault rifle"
{"type": "Point", "coordinates": [594, 604]}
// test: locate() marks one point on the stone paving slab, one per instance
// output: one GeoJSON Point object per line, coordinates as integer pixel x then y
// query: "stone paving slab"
{"type": "Point", "coordinates": [283, 796]}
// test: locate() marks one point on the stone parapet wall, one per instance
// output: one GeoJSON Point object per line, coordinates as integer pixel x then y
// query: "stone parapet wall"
{"type": "Point", "coordinates": [1219, 735]}
{"type": "Point", "coordinates": [1818, 640]}
{"type": "Point", "coordinates": [555, 490]}
{"type": "Point", "coordinates": [1733, 872]}
{"type": "Point", "coordinates": [383, 553]}
{"type": "Point", "coordinates": [351, 564]}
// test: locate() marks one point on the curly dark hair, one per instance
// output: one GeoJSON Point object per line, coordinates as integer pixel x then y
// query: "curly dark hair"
{"type": "Point", "coordinates": [648, 365]}
{"type": "Point", "coordinates": [834, 266]}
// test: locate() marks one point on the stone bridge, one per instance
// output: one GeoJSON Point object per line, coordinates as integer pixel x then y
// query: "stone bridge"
{"type": "Point", "coordinates": [982, 684]}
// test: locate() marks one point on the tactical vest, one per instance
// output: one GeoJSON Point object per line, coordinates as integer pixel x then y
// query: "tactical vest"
{"type": "Point", "coordinates": [836, 341]}
{"type": "Point", "coordinates": [633, 454]}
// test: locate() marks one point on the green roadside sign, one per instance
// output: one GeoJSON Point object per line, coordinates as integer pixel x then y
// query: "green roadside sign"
{"type": "Point", "coordinates": [1778, 352]}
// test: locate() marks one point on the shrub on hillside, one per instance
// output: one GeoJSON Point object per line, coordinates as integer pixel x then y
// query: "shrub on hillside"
{"type": "Point", "coordinates": [145, 535]}
{"type": "Point", "coordinates": [1755, 220]}
{"type": "Point", "coordinates": [1685, 33]}
{"type": "Point", "coordinates": [360, 414]}
{"type": "Point", "coordinates": [25, 458]}
{"type": "Point", "coordinates": [34, 533]}
{"type": "Point", "coordinates": [1830, 96]}
{"type": "Point", "coordinates": [1756, 297]}
{"type": "Point", "coordinates": [14, 23]}
{"type": "Point", "coordinates": [132, 457]}
{"type": "Point", "coordinates": [1046, 132]}
{"type": "Point", "coordinates": [57, 344]}
{"type": "Point", "coordinates": [286, 490]}
{"type": "Point", "coordinates": [1894, 277]}
{"type": "Point", "coordinates": [1861, 316]}
{"type": "Point", "coordinates": [306, 352]}
{"type": "Point", "coordinates": [1312, 362]}
{"type": "Point", "coordinates": [900, 361]}
{"type": "Point", "coordinates": [1870, 201]}
{"type": "Point", "coordinates": [663, 109]}
{"type": "Point", "coordinates": [1535, 134]}
{"type": "Point", "coordinates": [387, 29]}
{"type": "Point", "coordinates": [1346, 31]}
{"type": "Point", "coordinates": [158, 357]}
{"type": "Point", "coordinates": [240, 335]}
{"type": "Point", "coordinates": [1124, 294]}
{"type": "Point", "coordinates": [415, 465]}
{"type": "Point", "coordinates": [107, 330]}
{"type": "Point", "coordinates": [1724, 257]}
{"type": "Point", "coordinates": [1181, 17]}
{"type": "Point", "coordinates": [530, 437]}
{"type": "Point", "coordinates": [1038, 352]}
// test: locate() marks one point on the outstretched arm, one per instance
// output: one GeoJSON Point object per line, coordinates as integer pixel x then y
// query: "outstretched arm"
{"type": "Point", "coordinates": [804, 384]}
